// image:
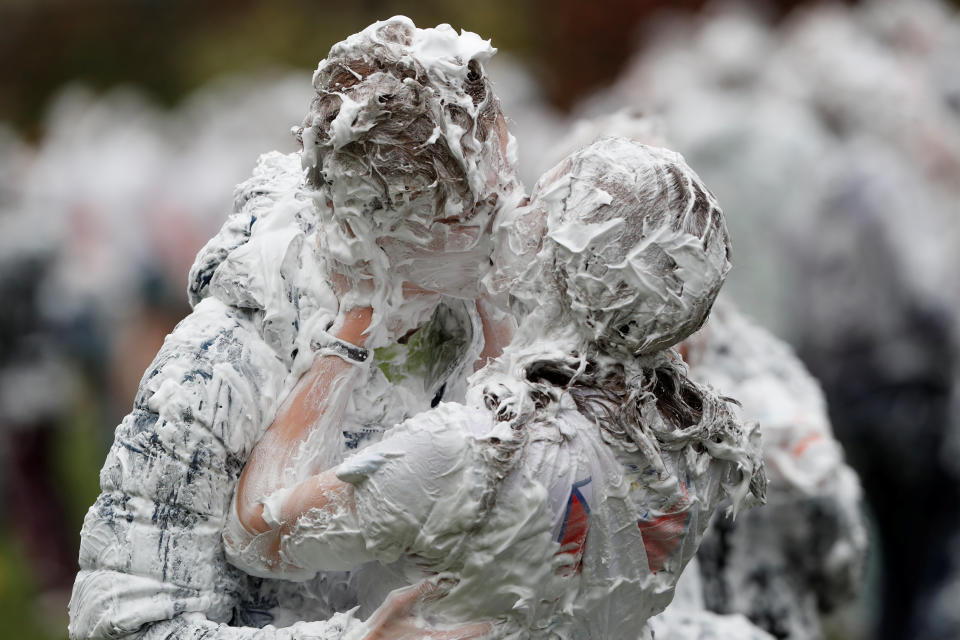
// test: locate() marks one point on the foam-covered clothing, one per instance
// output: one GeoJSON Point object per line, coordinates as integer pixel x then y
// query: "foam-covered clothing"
{"type": "Point", "coordinates": [805, 550]}
{"type": "Point", "coordinates": [151, 557]}
{"type": "Point", "coordinates": [150, 545]}
{"type": "Point", "coordinates": [575, 539]}
{"type": "Point", "coordinates": [687, 617]}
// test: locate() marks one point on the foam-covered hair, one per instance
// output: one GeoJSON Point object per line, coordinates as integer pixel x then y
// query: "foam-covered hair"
{"type": "Point", "coordinates": [635, 247]}
{"type": "Point", "coordinates": [405, 131]}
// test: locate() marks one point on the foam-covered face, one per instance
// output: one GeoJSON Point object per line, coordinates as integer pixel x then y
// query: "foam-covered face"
{"type": "Point", "coordinates": [406, 143]}
{"type": "Point", "coordinates": [635, 248]}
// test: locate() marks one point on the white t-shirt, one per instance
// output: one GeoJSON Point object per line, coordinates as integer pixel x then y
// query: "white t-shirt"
{"type": "Point", "coordinates": [575, 539]}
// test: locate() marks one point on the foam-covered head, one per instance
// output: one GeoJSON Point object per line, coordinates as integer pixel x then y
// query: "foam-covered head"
{"type": "Point", "coordinates": [408, 143]}
{"type": "Point", "coordinates": [634, 247]}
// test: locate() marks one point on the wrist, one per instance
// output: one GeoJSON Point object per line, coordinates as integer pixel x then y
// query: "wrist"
{"type": "Point", "coordinates": [354, 326]}
{"type": "Point", "coordinates": [330, 345]}
{"type": "Point", "coordinates": [346, 339]}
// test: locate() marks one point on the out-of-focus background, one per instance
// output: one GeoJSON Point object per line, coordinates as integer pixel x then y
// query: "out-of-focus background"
{"type": "Point", "coordinates": [830, 132]}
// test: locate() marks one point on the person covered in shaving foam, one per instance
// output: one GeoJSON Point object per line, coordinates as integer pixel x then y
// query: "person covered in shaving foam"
{"type": "Point", "coordinates": [803, 554]}
{"type": "Point", "coordinates": [779, 567]}
{"type": "Point", "coordinates": [564, 498]}
{"type": "Point", "coordinates": [408, 153]}
{"type": "Point", "coordinates": [405, 146]}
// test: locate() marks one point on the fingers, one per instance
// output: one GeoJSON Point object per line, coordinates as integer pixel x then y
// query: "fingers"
{"type": "Point", "coordinates": [410, 289]}
{"type": "Point", "coordinates": [466, 632]}
{"type": "Point", "coordinates": [398, 618]}
{"type": "Point", "coordinates": [428, 590]}
{"type": "Point", "coordinates": [403, 600]}
{"type": "Point", "coordinates": [340, 284]}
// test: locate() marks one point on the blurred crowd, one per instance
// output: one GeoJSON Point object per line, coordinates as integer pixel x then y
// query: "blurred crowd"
{"type": "Point", "coordinates": [829, 134]}
{"type": "Point", "coordinates": [832, 140]}
{"type": "Point", "coordinates": [99, 224]}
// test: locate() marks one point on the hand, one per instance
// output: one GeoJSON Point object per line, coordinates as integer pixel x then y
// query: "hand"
{"type": "Point", "coordinates": [396, 618]}
{"type": "Point", "coordinates": [415, 308]}
{"type": "Point", "coordinates": [361, 307]}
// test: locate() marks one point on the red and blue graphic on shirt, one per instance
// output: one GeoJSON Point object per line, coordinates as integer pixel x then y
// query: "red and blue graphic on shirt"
{"type": "Point", "coordinates": [576, 524]}
{"type": "Point", "coordinates": [662, 534]}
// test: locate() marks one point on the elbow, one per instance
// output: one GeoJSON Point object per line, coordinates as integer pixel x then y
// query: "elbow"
{"type": "Point", "coordinates": [255, 553]}
{"type": "Point", "coordinates": [247, 508]}
{"type": "Point", "coordinates": [257, 550]}
{"type": "Point", "coordinates": [250, 515]}
{"type": "Point", "coordinates": [249, 542]}
{"type": "Point", "coordinates": [260, 554]}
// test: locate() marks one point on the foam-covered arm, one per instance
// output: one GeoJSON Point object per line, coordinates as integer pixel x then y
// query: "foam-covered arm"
{"type": "Point", "coordinates": [410, 493]}
{"type": "Point", "coordinates": [313, 411]}
{"type": "Point", "coordinates": [150, 545]}
{"type": "Point", "coordinates": [418, 490]}
{"type": "Point", "coordinates": [318, 512]}
{"type": "Point", "coordinates": [316, 406]}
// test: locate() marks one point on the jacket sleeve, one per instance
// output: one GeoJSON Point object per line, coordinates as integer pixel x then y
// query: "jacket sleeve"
{"type": "Point", "coordinates": [150, 545]}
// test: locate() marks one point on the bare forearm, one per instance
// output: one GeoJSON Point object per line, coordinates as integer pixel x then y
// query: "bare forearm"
{"type": "Point", "coordinates": [277, 450]}
{"type": "Point", "coordinates": [313, 495]}
{"type": "Point", "coordinates": [320, 491]}
{"type": "Point", "coordinates": [313, 404]}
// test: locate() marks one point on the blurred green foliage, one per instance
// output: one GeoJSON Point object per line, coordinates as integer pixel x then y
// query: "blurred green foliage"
{"type": "Point", "coordinates": [28, 612]}
{"type": "Point", "coordinates": [24, 613]}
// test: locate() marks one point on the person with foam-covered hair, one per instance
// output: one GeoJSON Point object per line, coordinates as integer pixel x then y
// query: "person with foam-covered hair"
{"type": "Point", "coordinates": [405, 158]}
{"type": "Point", "coordinates": [805, 549]}
{"type": "Point", "coordinates": [409, 144]}
{"type": "Point", "coordinates": [565, 497]}
{"type": "Point", "coordinates": [636, 249]}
